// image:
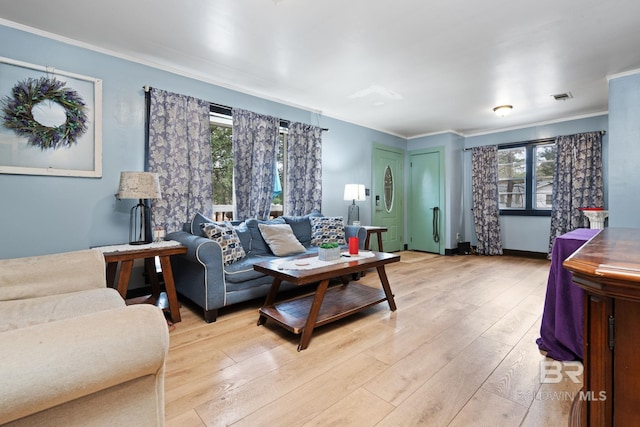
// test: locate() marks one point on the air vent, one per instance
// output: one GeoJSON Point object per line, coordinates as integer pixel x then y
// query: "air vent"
{"type": "Point", "coordinates": [562, 96]}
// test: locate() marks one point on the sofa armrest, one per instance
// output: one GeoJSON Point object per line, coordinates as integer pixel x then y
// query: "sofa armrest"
{"type": "Point", "coordinates": [38, 276]}
{"type": "Point", "coordinates": [356, 231]}
{"type": "Point", "coordinates": [54, 363]}
{"type": "Point", "coordinates": [202, 266]}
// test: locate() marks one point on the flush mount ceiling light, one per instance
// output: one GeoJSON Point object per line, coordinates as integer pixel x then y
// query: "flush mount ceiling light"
{"type": "Point", "coordinates": [503, 110]}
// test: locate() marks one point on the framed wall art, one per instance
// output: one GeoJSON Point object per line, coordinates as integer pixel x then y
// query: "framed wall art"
{"type": "Point", "coordinates": [50, 121]}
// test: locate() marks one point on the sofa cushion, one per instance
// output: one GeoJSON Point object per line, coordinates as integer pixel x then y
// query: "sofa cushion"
{"type": "Point", "coordinates": [327, 230]}
{"type": "Point", "coordinates": [258, 245]}
{"type": "Point", "coordinates": [242, 270]}
{"type": "Point", "coordinates": [225, 235]}
{"type": "Point", "coordinates": [301, 226]}
{"type": "Point", "coordinates": [281, 239]}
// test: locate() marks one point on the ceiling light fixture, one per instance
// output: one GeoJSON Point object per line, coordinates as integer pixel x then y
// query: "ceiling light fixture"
{"type": "Point", "coordinates": [503, 110]}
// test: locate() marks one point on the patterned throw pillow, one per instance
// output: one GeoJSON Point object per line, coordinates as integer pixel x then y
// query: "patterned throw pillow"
{"type": "Point", "coordinates": [227, 238]}
{"type": "Point", "coordinates": [326, 229]}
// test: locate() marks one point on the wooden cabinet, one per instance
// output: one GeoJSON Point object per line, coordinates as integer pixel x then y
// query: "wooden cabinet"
{"type": "Point", "coordinates": [608, 269]}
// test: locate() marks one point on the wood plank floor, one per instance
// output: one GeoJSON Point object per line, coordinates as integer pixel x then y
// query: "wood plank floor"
{"type": "Point", "coordinates": [459, 351]}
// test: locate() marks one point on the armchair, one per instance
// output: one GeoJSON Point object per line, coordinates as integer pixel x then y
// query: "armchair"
{"type": "Point", "coordinates": [72, 352]}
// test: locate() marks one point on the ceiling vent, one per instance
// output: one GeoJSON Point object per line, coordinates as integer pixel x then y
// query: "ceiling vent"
{"type": "Point", "coordinates": [562, 96]}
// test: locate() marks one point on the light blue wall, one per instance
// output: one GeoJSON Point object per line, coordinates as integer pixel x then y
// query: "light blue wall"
{"type": "Point", "coordinates": [518, 233]}
{"type": "Point", "coordinates": [529, 233]}
{"type": "Point", "coordinates": [41, 215]}
{"type": "Point", "coordinates": [624, 142]}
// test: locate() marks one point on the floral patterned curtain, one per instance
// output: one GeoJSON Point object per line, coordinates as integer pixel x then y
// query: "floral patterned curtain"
{"type": "Point", "coordinates": [486, 210]}
{"type": "Point", "coordinates": [304, 170]}
{"type": "Point", "coordinates": [180, 152]}
{"type": "Point", "coordinates": [577, 181]}
{"type": "Point", "coordinates": [255, 148]}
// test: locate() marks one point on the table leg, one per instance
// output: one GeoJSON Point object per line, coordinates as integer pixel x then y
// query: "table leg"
{"type": "Point", "coordinates": [112, 267]}
{"type": "Point", "coordinates": [379, 233]}
{"type": "Point", "coordinates": [367, 241]}
{"type": "Point", "coordinates": [271, 298]}
{"type": "Point", "coordinates": [150, 267]}
{"type": "Point", "coordinates": [387, 289]}
{"type": "Point", "coordinates": [170, 288]}
{"type": "Point", "coordinates": [313, 315]}
{"type": "Point", "coordinates": [123, 279]}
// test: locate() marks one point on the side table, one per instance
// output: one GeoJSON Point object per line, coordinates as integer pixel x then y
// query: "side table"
{"type": "Point", "coordinates": [127, 254]}
{"type": "Point", "coordinates": [372, 229]}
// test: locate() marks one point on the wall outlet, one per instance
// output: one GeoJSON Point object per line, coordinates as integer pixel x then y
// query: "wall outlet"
{"type": "Point", "coordinates": [458, 237]}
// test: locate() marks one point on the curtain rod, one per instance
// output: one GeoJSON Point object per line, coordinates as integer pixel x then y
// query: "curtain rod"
{"type": "Point", "coordinates": [225, 109]}
{"type": "Point", "coordinates": [531, 141]}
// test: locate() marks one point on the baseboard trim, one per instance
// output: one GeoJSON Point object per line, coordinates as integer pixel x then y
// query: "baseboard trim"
{"type": "Point", "coordinates": [526, 254]}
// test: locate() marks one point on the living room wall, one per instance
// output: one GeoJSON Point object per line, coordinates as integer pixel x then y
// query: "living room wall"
{"type": "Point", "coordinates": [45, 214]}
{"type": "Point", "coordinates": [521, 233]}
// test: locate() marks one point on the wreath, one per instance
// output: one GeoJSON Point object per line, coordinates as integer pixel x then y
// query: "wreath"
{"type": "Point", "coordinates": [18, 114]}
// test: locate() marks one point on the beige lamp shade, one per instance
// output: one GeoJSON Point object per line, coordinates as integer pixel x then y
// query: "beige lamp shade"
{"type": "Point", "coordinates": [139, 185]}
{"type": "Point", "coordinates": [354, 192]}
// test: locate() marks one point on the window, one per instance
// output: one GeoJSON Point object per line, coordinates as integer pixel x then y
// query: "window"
{"type": "Point", "coordinates": [222, 177]}
{"type": "Point", "coordinates": [525, 178]}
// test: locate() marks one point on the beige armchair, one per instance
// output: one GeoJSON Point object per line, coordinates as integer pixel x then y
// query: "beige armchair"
{"type": "Point", "coordinates": [71, 352]}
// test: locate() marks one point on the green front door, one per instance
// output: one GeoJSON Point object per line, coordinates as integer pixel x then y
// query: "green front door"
{"type": "Point", "coordinates": [387, 196]}
{"type": "Point", "coordinates": [425, 202]}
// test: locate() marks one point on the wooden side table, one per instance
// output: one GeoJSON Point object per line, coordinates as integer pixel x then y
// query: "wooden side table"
{"type": "Point", "coordinates": [127, 254]}
{"type": "Point", "coordinates": [372, 229]}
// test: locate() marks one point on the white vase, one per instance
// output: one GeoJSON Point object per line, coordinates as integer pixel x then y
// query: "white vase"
{"type": "Point", "coordinates": [328, 254]}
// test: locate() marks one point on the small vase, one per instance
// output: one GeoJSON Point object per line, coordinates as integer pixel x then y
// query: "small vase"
{"type": "Point", "coordinates": [328, 254]}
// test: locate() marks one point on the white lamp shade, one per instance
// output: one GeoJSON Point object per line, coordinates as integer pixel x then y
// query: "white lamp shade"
{"type": "Point", "coordinates": [139, 185]}
{"type": "Point", "coordinates": [354, 192]}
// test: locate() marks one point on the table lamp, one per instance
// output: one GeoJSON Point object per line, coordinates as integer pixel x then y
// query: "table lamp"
{"type": "Point", "coordinates": [141, 186]}
{"type": "Point", "coordinates": [354, 192]}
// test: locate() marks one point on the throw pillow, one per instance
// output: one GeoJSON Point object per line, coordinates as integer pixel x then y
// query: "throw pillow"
{"type": "Point", "coordinates": [225, 235]}
{"type": "Point", "coordinates": [327, 229]}
{"type": "Point", "coordinates": [281, 239]}
{"type": "Point", "coordinates": [258, 245]}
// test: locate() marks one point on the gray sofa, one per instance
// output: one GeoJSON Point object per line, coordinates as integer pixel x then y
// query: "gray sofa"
{"type": "Point", "coordinates": [202, 276]}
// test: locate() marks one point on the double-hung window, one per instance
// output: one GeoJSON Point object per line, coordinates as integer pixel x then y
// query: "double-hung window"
{"type": "Point", "coordinates": [222, 158]}
{"type": "Point", "coordinates": [525, 178]}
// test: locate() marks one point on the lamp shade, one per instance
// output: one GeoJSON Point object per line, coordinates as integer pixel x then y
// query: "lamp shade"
{"type": "Point", "coordinates": [139, 185]}
{"type": "Point", "coordinates": [354, 192]}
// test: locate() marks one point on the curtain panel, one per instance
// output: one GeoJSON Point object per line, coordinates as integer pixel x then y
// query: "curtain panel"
{"type": "Point", "coordinates": [255, 147]}
{"type": "Point", "coordinates": [180, 152]}
{"type": "Point", "coordinates": [577, 182]}
{"type": "Point", "coordinates": [303, 186]}
{"type": "Point", "coordinates": [486, 212]}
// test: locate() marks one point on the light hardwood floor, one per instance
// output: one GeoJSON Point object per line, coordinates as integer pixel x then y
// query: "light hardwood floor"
{"type": "Point", "coordinates": [459, 351]}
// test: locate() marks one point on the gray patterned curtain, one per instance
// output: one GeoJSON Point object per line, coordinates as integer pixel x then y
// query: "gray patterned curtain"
{"type": "Point", "coordinates": [577, 181]}
{"type": "Point", "coordinates": [255, 148]}
{"type": "Point", "coordinates": [486, 212]}
{"type": "Point", "coordinates": [180, 152]}
{"type": "Point", "coordinates": [304, 170]}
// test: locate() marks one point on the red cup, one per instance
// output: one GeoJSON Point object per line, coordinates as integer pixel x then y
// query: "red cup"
{"type": "Point", "coordinates": [353, 245]}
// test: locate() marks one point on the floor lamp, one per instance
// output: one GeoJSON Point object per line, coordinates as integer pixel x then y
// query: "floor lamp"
{"type": "Point", "coordinates": [141, 186]}
{"type": "Point", "coordinates": [354, 192]}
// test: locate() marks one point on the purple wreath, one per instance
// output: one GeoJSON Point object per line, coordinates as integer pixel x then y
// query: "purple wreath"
{"type": "Point", "coordinates": [28, 93]}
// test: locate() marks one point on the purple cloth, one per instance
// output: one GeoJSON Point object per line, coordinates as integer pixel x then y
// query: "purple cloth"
{"type": "Point", "coordinates": [561, 329]}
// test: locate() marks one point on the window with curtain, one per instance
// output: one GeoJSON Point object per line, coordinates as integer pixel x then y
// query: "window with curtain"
{"type": "Point", "coordinates": [222, 176]}
{"type": "Point", "coordinates": [525, 178]}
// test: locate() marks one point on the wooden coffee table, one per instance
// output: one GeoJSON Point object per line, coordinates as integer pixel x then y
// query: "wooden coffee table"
{"type": "Point", "coordinates": [302, 314]}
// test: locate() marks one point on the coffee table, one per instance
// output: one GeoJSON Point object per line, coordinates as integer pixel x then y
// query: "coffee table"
{"type": "Point", "coordinates": [302, 314]}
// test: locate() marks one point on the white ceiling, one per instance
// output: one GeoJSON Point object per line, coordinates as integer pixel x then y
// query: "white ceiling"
{"type": "Point", "coordinates": [407, 67]}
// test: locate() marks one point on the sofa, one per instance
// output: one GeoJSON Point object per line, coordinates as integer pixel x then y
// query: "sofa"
{"type": "Point", "coordinates": [212, 273]}
{"type": "Point", "coordinates": [73, 353]}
